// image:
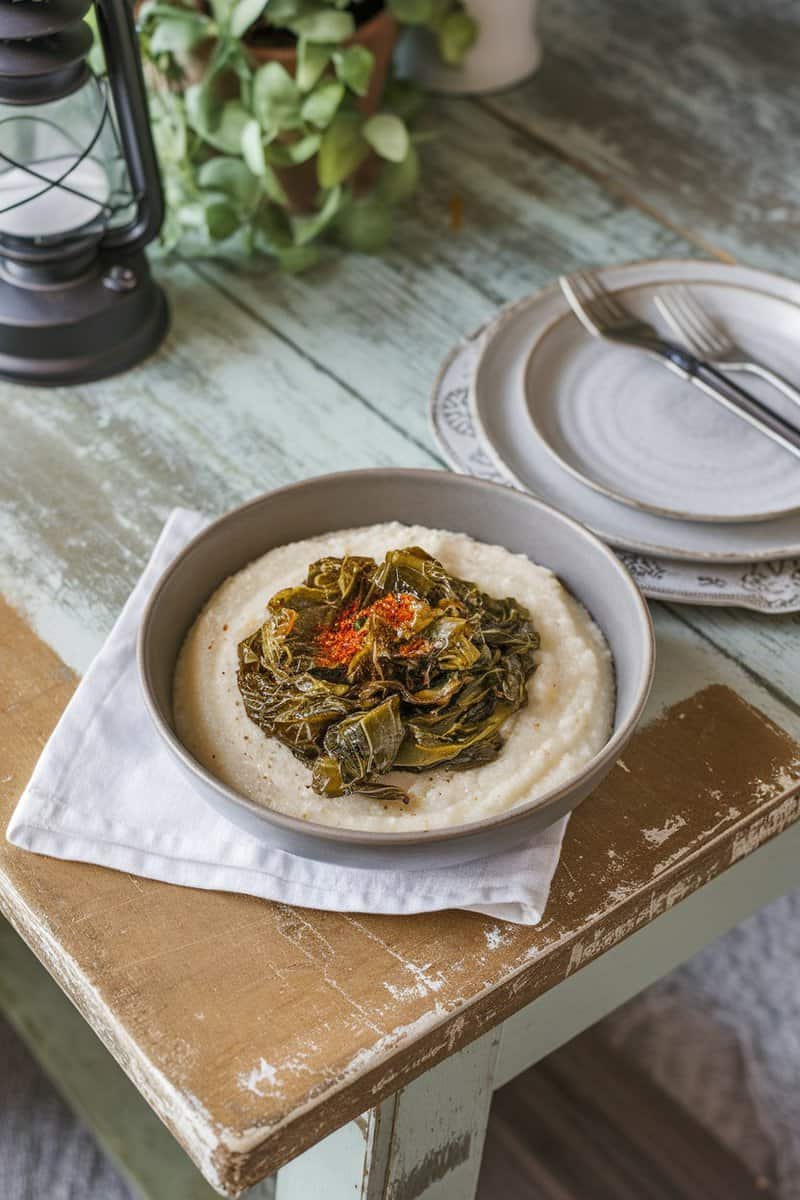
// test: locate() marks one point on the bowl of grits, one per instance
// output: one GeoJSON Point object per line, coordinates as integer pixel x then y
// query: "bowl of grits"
{"type": "Point", "coordinates": [395, 667]}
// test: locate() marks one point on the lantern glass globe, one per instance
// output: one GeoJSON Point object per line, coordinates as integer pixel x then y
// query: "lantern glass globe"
{"type": "Point", "coordinates": [61, 169]}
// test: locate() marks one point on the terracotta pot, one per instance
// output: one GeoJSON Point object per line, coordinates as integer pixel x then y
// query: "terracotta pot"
{"type": "Point", "coordinates": [379, 35]}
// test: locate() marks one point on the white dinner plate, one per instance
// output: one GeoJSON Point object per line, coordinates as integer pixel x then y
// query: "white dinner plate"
{"type": "Point", "coordinates": [500, 405]}
{"type": "Point", "coordinates": [619, 421]}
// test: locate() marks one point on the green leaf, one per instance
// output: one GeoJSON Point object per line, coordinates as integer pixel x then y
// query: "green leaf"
{"type": "Point", "coordinates": [226, 133]}
{"type": "Point", "coordinates": [399, 181]}
{"type": "Point", "coordinates": [213, 217]}
{"type": "Point", "coordinates": [307, 228]}
{"type": "Point", "coordinates": [290, 154]}
{"type": "Point", "coordinates": [222, 220]}
{"type": "Point", "coordinates": [178, 34]}
{"type": "Point", "coordinates": [252, 144]}
{"type": "Point", "coordinates": [202, 108]}
{"type": "Point", "coordinates": [276, 98]}
{"type": "Point", "coordinates": [365, 225]}
{"type": "Point", "coordinates": [354, 66]}
{"type": "Point", "coordinates": [231, 176]}
{"type": "Point", "coordinates": [312, 59]}
{"type": "Point", "coordinates": [298, 258]}
{"type": "Point", "coordinates": [273, 229]}
{"type": "Point", "coordinates": [283, 12]}
{"type": "Point", "coordinates": [320, 107]}
{"type": "Point", "coordinates": [388, 136]}
{"type": "Point", "coordinates": [456, 36]}
{"type": "Point", "coordinates": [412, 12]}
{"type": "Point", "coordinates": [406, 100]}
{"type": "Point", "coordinates": [168, 123]}
{"type": "Point", "coordinates": [342, 150]}
{"type": "Point", "coordinates": [244, 14]}
{"type": "Point", "coordinates": [254, 155]}
{"type": "Point", "coordinates": [325, 26]}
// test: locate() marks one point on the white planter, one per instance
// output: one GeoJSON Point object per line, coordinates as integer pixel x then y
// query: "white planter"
{"type": "Point", "coordinates": [507, 50]}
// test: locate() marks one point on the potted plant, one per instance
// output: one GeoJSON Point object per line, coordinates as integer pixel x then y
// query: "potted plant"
{"type": "Point", "coordinates": [276, 122]}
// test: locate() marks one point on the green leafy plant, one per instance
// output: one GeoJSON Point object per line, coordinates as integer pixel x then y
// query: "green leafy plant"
{"type": "Point", "coordinates": [372, 667]}
{"type": "Point", "coordinates": [268, 127]}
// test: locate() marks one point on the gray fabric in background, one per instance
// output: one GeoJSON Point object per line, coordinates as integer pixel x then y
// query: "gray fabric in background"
{"type": "Point", "coordinates": [45, 1153]}
{"type": "Point", "coordinates": [721, 1034]}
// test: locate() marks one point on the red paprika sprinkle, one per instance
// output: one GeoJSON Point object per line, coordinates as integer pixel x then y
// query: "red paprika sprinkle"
{"type": "Point", "coordinates": [338, 643]}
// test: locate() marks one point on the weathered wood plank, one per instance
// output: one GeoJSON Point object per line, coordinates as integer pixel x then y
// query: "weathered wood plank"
{"type": "Point", "coordinates": [226, 410]}
{"type": "Point", "coordinates": [686, 108]}
{"type": "Point", "coordinates": [254, 1029]}
{"type": "Point", "coordinates": [622, 970]}
{"type": "Point", "coordinates": [383, 325]}
{"type": "Point", "coordinates": [768, 646]}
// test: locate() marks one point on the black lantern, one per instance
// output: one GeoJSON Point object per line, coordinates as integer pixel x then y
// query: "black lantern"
{"type": "Point", "coordinates": [80, 196]}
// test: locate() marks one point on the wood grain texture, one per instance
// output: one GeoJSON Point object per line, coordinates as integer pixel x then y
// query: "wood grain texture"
{"type": "Point", "coordinates": [267, 378]}
{"type": "Point", "coordinates": [254, 1029]}
{"type": "Point", "coordinates": [586, 1122]}
{"type": "Point", "coordinates": [685, 108]}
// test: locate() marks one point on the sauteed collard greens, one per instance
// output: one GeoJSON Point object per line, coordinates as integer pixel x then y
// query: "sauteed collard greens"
{"type": "Point", "coordinates": [370, 667]}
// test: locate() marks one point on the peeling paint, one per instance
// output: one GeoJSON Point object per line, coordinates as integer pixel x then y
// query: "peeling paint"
{"type": "Point", "coordinates": [433, 1168]}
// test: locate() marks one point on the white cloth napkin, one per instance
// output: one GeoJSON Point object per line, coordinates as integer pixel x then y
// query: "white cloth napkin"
{"type": "Point", "coordinates": [106, 791]}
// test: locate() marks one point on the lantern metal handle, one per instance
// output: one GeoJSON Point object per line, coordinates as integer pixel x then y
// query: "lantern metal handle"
{"type": "Point", "coordinates": [118, 35]}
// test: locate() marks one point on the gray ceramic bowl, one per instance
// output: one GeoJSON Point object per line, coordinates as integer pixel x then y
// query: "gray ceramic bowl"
{"type": "Point", "coordinates": [435, 498]}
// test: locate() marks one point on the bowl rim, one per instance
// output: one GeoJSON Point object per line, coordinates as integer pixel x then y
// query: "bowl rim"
{"type": "Point", "coordinates": [331, 833]}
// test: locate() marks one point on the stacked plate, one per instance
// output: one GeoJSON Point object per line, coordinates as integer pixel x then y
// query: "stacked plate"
{"type": "Point", "coordinates": [701, 506]}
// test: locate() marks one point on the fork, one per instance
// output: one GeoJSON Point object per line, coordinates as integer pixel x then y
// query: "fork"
{"type": "Point", "coordinates": [604, 316]}
{"type": "Point", "coordinates": [709, 340]}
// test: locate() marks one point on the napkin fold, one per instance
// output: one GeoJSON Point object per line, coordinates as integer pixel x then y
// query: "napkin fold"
{"type": "Point", "coordinates": [106, 791]}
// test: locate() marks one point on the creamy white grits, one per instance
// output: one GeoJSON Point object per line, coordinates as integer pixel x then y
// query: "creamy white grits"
{"type": "Point", "coordinates": [566, 721]}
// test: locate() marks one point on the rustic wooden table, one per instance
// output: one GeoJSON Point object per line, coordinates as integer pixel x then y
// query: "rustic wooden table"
{"type": "Point", "coordinates": [369, 1047]}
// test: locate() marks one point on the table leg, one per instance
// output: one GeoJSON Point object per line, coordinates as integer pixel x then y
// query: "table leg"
{"type": "Point", "coordinates": [424, 1143]}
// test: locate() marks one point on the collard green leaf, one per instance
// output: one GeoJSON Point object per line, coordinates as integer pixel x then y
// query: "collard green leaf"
{"type": "Point", "coordinates": [372, 667]}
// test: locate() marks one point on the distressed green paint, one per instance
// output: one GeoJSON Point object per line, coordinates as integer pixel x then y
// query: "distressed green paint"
{"type": "Point", "coordinates": [688, 107]}
{"type": "Point", "coordinates": [267, 378]}
{"type": "Point", "coordinates": [383, 325]}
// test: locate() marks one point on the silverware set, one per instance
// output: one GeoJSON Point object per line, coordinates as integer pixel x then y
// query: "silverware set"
{"type": "Point", "coordinates": [704, 354]}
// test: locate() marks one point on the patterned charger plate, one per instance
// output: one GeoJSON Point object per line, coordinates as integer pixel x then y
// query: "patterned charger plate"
{"type": "Point", "coordinates": [772, 587]}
